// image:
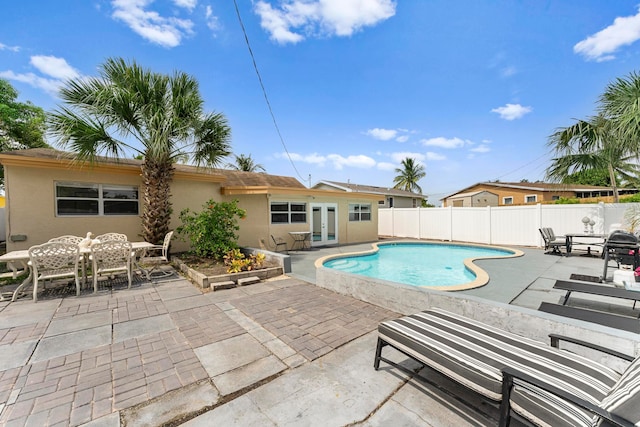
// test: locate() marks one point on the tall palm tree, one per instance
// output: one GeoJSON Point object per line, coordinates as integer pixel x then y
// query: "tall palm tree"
{"type": "Point", "coordinates": [409, 175]}
{"type": "Point", "coordinates": [591, 145]}
{"type": "Point", "coordinates": [246, 164]}
{"type": "Point", "coordinates": [620, 104]}
{"type": "Point", "coordinates": [161, 117]}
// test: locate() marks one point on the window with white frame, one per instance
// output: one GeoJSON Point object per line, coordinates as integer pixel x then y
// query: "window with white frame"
{"type": "Point", "coordinates": [80, 199]}
{"type": "Point", "coordinates": [507, 200]}
{"type": "Point", "coordinates": [532, 198]}
{"type": "Point", "coordinates": [359, 212]}
{"type": "Point", "coordinates": [288, 212]}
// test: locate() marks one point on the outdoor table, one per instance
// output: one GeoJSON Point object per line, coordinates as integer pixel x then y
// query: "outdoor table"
{"type": "Point", "coordinates": [21, 258]}
{"type": "Point", "coordinates": [571, 236]}
{"type": "Point", "coordinates": [301, 239]}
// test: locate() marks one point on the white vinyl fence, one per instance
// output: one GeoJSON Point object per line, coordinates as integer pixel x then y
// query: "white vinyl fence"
{"type": "Point", "coordinates": [504, 225]}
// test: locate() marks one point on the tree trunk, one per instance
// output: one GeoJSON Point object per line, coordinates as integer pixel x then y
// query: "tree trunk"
{"type": "Point", "coordinates": [612, 179]}
{"type": "Point", "coordinates": [156, 210]}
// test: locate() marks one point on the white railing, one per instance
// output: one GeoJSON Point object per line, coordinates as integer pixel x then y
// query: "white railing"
{"type": "Point", "coordinates": [504, 225]}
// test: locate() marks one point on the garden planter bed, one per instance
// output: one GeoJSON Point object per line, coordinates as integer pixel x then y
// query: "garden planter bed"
{"type": "Point", "coordinates": [205, 281]}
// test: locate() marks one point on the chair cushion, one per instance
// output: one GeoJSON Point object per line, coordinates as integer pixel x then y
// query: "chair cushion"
{"type": "Point", "coordinates": [624, 398]}
{"type": "Point", "coordinates": [474, 354]}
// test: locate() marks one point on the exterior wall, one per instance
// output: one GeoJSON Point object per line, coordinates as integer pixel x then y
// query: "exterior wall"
{"type": "Point", "coordinates": [478, 200]}
{"type": "Point", "coordinates": [517, 194]}
{"type": "Point", "coordinates": [31, 206]}
{"type": "Point", "coordinates": [401, 202]}
{"type": "Point", "coordinates": [190, 194]}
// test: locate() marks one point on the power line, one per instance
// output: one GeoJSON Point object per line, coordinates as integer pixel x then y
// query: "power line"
{"type": "Point", "coordinates": [523, 166]}
{"type": "Point", "coordinates": [264, 92]}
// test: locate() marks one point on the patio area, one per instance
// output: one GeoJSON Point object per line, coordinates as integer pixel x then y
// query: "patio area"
{"type": "Point", "coordinates": [281, 352]}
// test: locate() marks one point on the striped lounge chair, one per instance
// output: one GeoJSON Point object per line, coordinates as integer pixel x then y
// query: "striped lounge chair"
{"type": "Point", "coordinates": [542, 384]}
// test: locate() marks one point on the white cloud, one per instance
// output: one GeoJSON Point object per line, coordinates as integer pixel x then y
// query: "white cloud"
{"type": "Point", "coordinates": [385, 166]}
{"type": "Point", "coordinates": [359, 161]}
{"type": "Point", "coordinates": [11, 48]}
{"type": "Point", "coordinates": [55, 67]}
{"type": "Point", "coordinates": [187, 4]}
{"type": "Point", "coordinates": [400, 135]}
{"type": "Point", "coordinates": [400, 156]}
{"type": "Point", "coordinates": [382, 134]}
{"type": "Point", "coordinates": [166, 32]}
{"type": "Point", "coordinates": [52, 86]}
{"type": "Point", "coordinates": [435, 156]}
{"type": "Point", "coordinates": [512, 111]}
{"type": "Point", "coordinates": [443, 142]}
{"type": "Point", "coordinates": [290, 18]}
{"type": "Point", "coordinates": [601, 45]}
{"type": "Point", "coordinates": [212, 20]}
{"type": "Point", "coordinates": [482, 148]}
{"type": "Point", "coordinates": [336, 160]}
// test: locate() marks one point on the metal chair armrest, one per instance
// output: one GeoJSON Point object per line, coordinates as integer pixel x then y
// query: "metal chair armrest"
{"type": "Point", "coordinates": [509, 375]}
{"type": "Point", "coordinates": [555, 342]}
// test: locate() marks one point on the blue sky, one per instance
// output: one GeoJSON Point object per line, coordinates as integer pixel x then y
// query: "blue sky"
{"type": "Point", "coordinates": [471, 89]}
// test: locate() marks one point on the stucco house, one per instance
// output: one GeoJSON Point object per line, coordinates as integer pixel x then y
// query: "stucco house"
{"type": "Point", "coordinates": [50, 194]}
{"type": "Point", "coordinates": [523, 193]}
{"type": "Point", "coordinates": [393, 198]}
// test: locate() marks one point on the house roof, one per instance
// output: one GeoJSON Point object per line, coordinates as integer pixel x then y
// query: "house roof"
{"type": "Point", "coordinates": [533, 186]}
{"type": "Point", "coordinates": [359, 188]}
{"type": "Point", "coordinates": [229, 178]}
{"type": "Point", "coordinates": [471, 194]}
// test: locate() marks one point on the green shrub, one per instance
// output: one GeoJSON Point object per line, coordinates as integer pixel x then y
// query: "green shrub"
{"type": "Point", "coordinates": [631, 199]}
{"type": "Point", "coordinates": [566, 201]}
{"type": "Point", "coordinates": [212, 232]}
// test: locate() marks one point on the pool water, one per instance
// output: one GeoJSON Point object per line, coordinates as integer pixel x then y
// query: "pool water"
{"type": "Point", "coordinates": [419, 264]}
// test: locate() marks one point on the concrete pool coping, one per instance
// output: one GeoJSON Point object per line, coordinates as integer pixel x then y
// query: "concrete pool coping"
{"type": "Point", "coordinates": [482, 277]}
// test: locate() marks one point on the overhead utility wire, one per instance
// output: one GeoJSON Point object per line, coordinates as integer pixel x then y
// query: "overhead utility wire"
{"type": "Point", "coordinates": [264, 92]}
{"type": "Point", "coordinates": [523, 166]}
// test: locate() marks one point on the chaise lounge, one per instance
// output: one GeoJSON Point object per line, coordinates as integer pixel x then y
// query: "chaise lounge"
{"type": "Point", "coordinates": [539, 383]}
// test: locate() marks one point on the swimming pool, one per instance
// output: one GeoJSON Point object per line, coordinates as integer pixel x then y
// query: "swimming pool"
{"type": "Point", "coordinates": [440, 266]}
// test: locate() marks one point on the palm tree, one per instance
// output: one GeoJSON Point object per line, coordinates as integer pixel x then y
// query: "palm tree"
{"type": "Point", "coordinates": [591, 145]}
{"type": "Point", "coordinates": [409, 175]}
{"type": "Point", "coordinates": [246, 164]}
{"type": "Point", "coordinates": [161, 117]}
{"type": "Point", "coordinates": [620, 104]}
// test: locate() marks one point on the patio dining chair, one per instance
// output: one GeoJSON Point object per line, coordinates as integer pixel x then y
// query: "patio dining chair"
{"type": "Point", "coordinates": [68, 238]}
{"type": "Point", "coordinates": [108, 237]}
{"type": "Point", "coordinates": [54, 260]}
{"type": "Point", "coordinates": [552, 243]}
{"type": "Point", "coordinates": [279, 242]}
{"type": "Point", "coordinates": [109, 258]}
{"type": "Point", "coordinates": [156, 256]}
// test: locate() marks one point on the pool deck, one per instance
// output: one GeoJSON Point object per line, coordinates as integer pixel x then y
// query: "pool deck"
{"type": "Point", "coordinates": [281, 352]}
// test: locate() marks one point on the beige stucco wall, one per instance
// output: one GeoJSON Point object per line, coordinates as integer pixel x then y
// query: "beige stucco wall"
{"type": "Point", "coordinates": [31, 207]}
{"type": "Point", "coordinates": [30, 194]}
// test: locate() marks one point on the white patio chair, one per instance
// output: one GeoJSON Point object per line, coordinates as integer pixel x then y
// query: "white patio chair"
{"type": "Point", "coordinates": [108, 237]}
{"type": "Point", "coordinates": [109, 258]}
{"type": "Point", "coordinates": [156, 256]}
{"type": "Point", "coordinates": [54, 260]}
{"type": "Point", "coordinates": [68, 238]}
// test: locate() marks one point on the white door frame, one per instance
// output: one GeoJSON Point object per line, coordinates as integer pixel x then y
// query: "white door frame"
{"type": "Point", "coordinates": [324, 218]}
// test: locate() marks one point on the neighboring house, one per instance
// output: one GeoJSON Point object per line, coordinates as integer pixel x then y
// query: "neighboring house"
{"type": "Point", "coordinates": [49, 194]}
{"type": "Point", "coordinates": [522, 193]}
{"type": "Point", "coordinates": [479, 198]}
{"type": "Point", "coordinates": [393, 198]}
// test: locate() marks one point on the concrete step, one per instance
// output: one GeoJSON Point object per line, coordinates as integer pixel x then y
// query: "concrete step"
{"type": "Point", "coordinates": [248, 281]}
{"type": "Point", "coordinates": [216, 286]}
